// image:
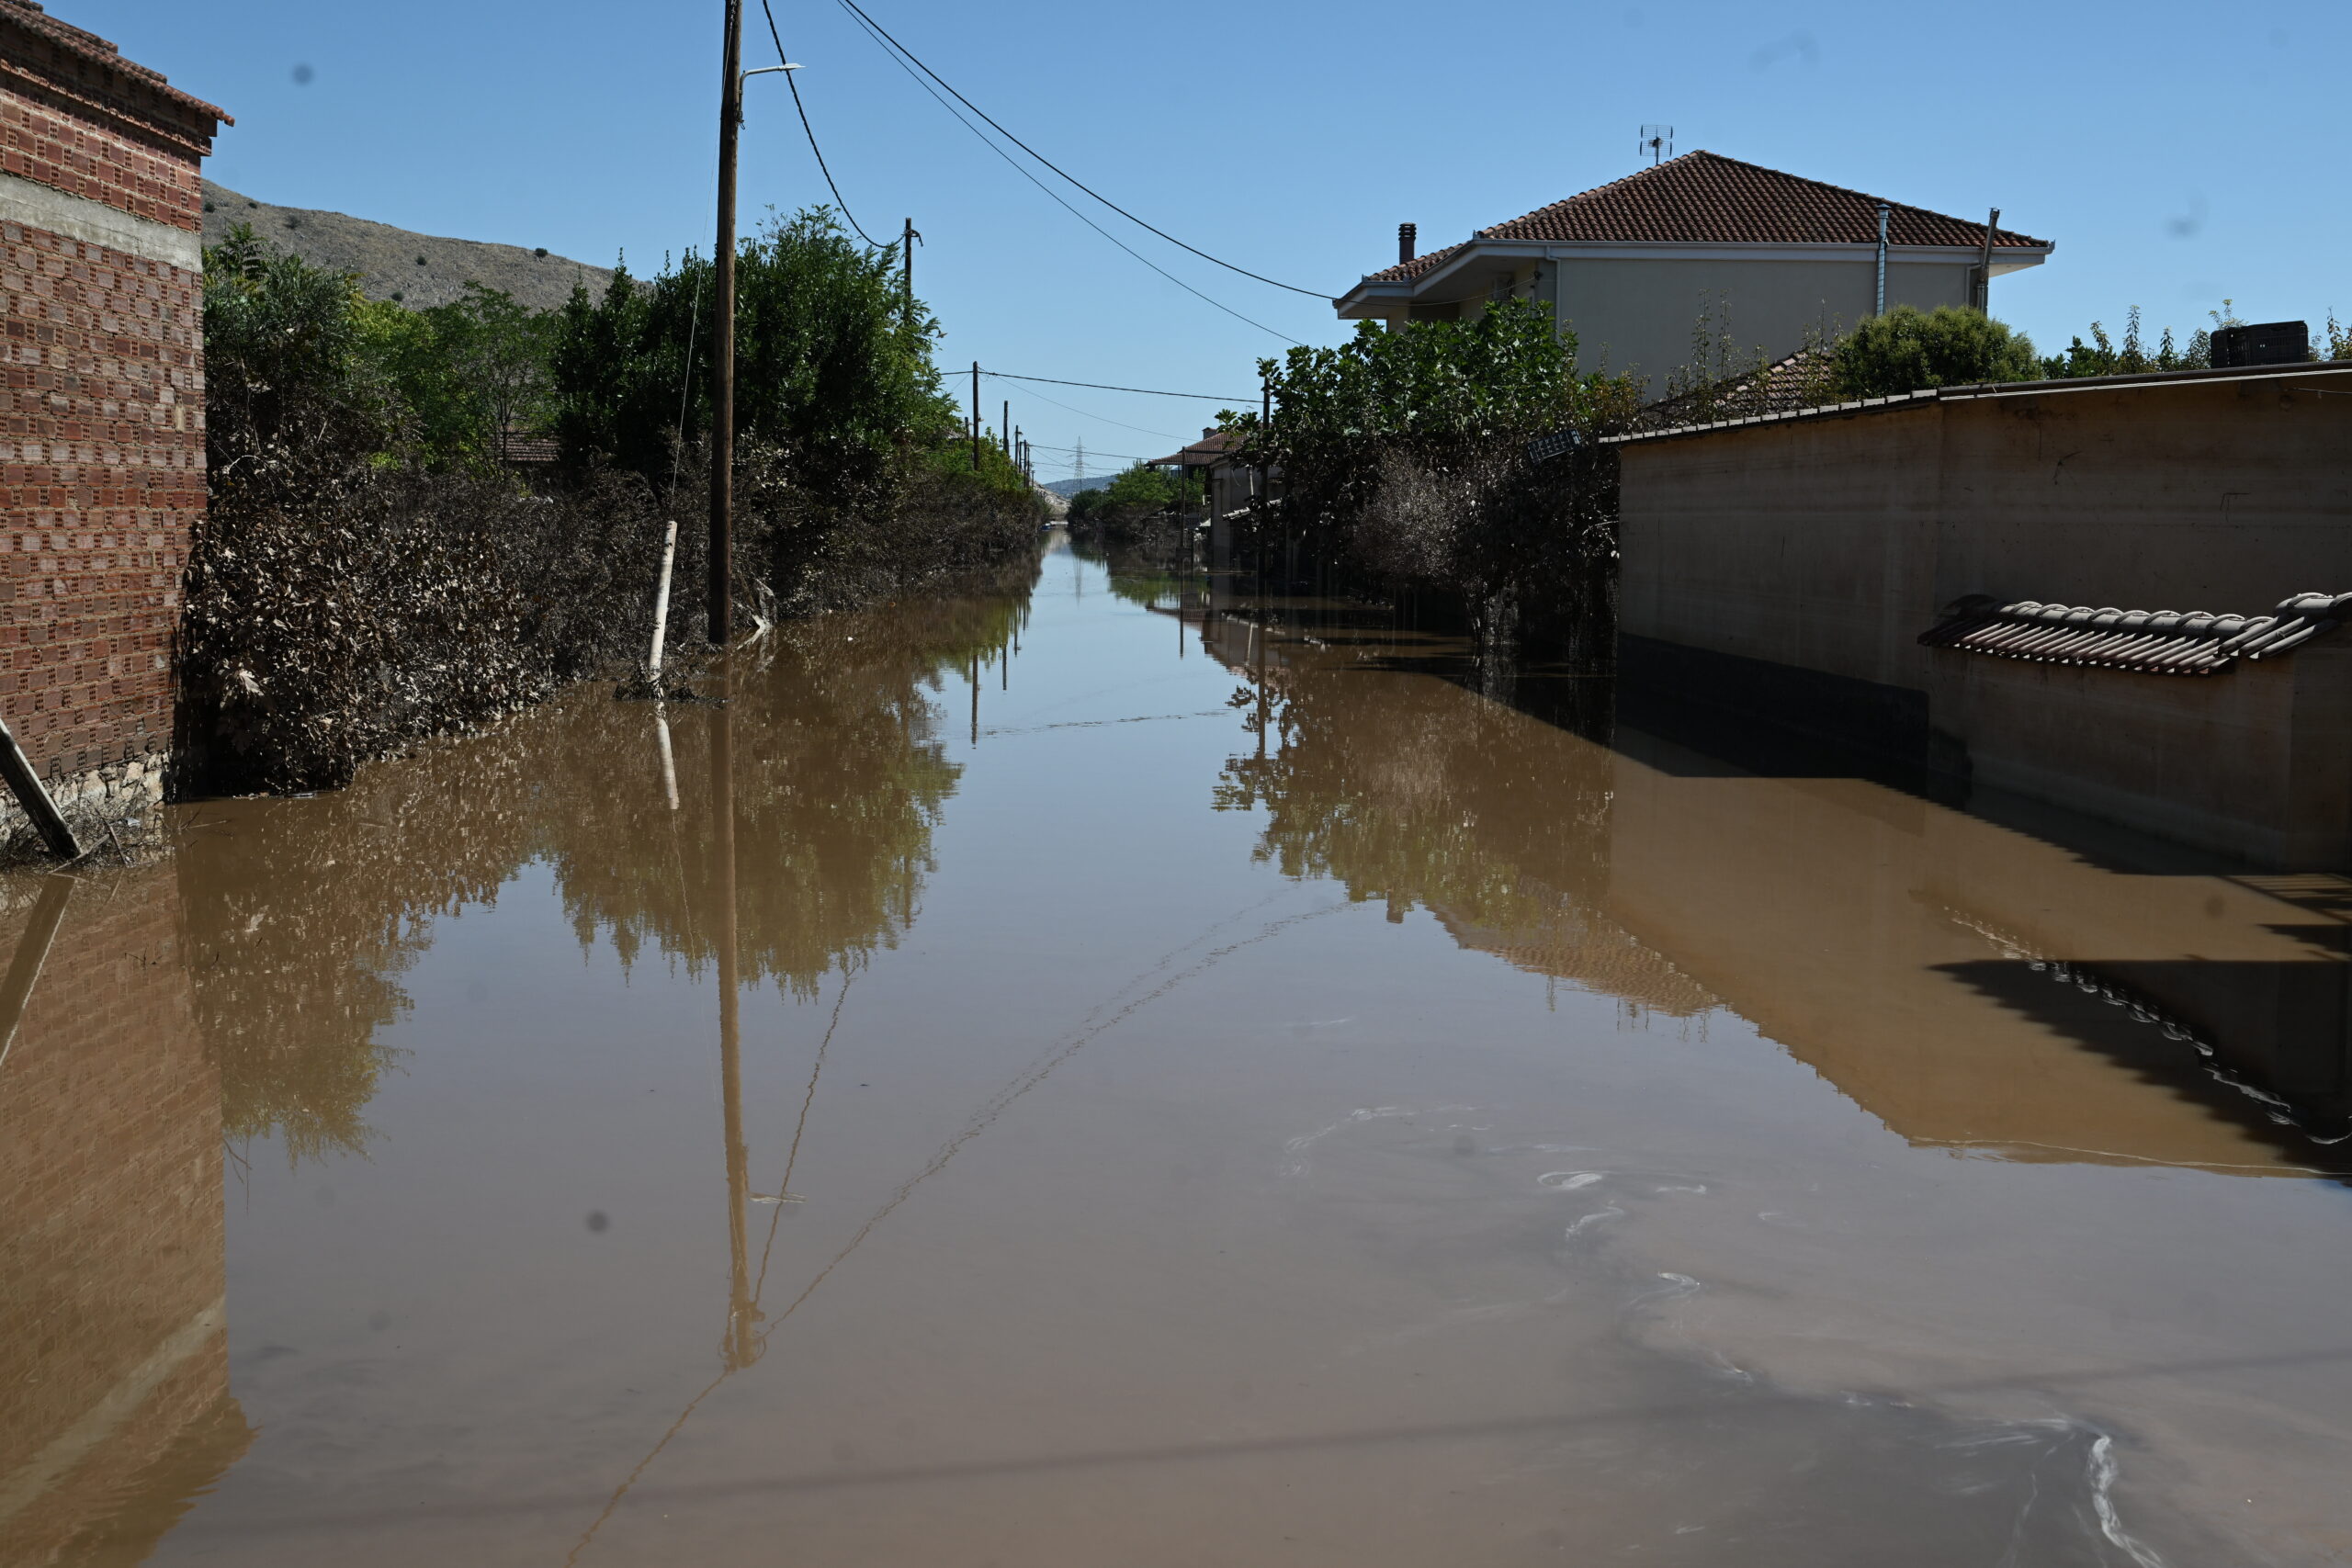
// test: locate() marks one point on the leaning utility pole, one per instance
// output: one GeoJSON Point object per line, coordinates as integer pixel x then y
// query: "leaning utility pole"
{"type": "Point", "coordinates": [722, 364]}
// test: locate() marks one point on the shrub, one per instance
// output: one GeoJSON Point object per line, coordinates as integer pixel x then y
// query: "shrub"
{"type": "Point", "coordinates": [1909, 349]}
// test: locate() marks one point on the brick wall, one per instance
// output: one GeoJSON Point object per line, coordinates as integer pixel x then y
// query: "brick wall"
{"type": "Point", "coordinates": [111, 1226]}
{"type": "Point", "coordinates": [101, 394]}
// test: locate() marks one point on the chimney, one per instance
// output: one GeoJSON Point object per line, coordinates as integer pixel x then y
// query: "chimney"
{"type": "Point", "coordinates": [1406, 234]}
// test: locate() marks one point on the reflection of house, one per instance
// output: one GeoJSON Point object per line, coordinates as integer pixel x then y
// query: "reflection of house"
{"type": "Point", "coordinates": [1970, 985]}
{"type": "Point", "coordinates": [1630, 266]}
{"type": "Point", "coordinates": [115, 1406]}
{"type": "Point", "coordinates": [1973, 986]}
{"type": "Point", "coordinates": [1591, 952]}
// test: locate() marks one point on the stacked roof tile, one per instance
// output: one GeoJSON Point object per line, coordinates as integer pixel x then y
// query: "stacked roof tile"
{"type": "Point", "coordinates": [2151, 642]}
{"type": "Point", "coordinates": [1704, 198]}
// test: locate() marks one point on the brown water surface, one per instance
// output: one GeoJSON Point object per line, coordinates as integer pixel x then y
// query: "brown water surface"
{"type": "Point", "coordinates": [1094, 1077]}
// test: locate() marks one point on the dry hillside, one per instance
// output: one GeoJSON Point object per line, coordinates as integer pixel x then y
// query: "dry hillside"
{"type": "Point", "coordinates": [419, 270]}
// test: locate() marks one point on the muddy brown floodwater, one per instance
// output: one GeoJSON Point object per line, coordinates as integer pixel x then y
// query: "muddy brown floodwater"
{"type": "Point", "coordinates": [1072, 1076]}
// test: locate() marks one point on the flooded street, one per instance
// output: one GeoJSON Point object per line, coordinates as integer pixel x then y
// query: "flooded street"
{"type": "Point", "coordinates": [1074, 1077]}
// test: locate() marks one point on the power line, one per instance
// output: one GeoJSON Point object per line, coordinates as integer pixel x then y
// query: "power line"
{"type": "Point", "coordinates": [1099, 386]}
{"type": "Point", "coordinates": [1311, 293]}
{"type": "Point", "coordinates": [782, 58]}
{"type": "Point", "coordinates": [1082, 414]}
{"type": "Point", "coordinates": [879, 37]}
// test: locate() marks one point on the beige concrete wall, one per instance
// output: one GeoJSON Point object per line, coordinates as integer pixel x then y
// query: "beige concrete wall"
{"type": "Point", "coordinates": [1639, 316]}
{"type": "Point", "coordinates": [1830, 545]}
{"type": "Point", "coordinates": [1784, 544]}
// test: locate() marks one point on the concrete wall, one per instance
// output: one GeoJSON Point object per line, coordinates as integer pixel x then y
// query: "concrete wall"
{"type": "Point", "coordinates": [1824, 546]}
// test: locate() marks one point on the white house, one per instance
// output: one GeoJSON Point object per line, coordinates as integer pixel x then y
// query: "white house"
{"type": "Point", "coordinates": [1630, 267]}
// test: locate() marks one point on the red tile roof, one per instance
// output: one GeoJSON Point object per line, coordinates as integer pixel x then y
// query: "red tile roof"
{"type": "Point", "coordinates": [1206, 452]}
{"type": "Point", "coordinates": [30, 16]}
{"type": "Point", "coordinates": [1704, 198]}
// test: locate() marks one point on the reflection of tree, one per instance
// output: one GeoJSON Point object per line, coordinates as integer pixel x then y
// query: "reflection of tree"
{"type": "Point", "coordinates": [302, 915]}
{"type": "Point", "coordinates": [1153, 566]}
{"type": "Point", "coordinates": [1418, 793]}
{"type": "Point", "coordinates": [838, 783]}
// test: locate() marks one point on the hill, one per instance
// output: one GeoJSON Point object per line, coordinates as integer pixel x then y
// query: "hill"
{"type": "Point", "coordinates": [1068, 488]}
{"type": "Point", "coordinates": [419, 270]}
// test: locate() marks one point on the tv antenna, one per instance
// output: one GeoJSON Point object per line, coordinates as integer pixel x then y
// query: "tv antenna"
{"type": "Point", "coordinates": [1658, 141]}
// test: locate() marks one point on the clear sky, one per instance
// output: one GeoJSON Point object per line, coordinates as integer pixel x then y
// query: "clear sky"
{"type": "Point", "coordinates": [2177, 153]}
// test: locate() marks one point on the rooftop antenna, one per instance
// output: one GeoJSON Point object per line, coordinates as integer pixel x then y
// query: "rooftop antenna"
{"type": "Point", "coordinates": [1658, 141]}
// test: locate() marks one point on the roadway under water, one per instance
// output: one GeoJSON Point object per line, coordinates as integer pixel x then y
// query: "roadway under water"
{"type": "Point", "coordinates": [1174, 1094]}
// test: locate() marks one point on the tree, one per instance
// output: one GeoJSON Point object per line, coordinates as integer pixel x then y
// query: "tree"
{"type": "Point", "coordinates": [1909, 349]}
{"type": "Point", "coordinates": [1406, 453]}
{"type": "Point", "coordinates": [469, 375]}
{"type": "Point", "coordinates": [833, 368]}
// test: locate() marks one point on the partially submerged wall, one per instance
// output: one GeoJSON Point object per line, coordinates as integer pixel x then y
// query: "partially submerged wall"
{"type": "Point", "coordinates": [1793, 563]}
{"type": "Point", "coordinates": [102, 455]}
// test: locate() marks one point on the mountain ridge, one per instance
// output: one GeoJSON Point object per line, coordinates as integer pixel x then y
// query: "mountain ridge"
{"type": "Point", "coordinates": [418, 270]}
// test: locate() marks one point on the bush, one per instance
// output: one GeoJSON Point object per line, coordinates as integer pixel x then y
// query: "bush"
{"type": "Point", "coordinates": [1405, 458]}
{"type": "Point", "coordinates": [1907, 349]}
{"type": "Point", "coordinates": [370, 574]}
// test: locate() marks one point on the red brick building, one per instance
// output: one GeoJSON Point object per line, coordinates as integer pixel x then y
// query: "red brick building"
{"type": "Point", "coordinates": [102, 407]}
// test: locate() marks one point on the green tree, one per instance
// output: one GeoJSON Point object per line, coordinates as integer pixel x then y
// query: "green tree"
{"type": "Point", "coordinates": [469, 375]}
{"type": "Point", "coordinates": [1406, 454]}
{"type": "Point", "coordinates": [2103, 356]}
{"type": "Point", "coordinates": [291, 393]}
{"type": "Point", "coordinates": [1909, 349]}
{"type": "Point", "coordinates": [834, 370]}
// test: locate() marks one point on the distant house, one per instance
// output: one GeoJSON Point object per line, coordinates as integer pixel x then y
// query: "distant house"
{"type": "Point", "coordinates": [1630, 266]}
{"type": "Point", "coordinates": [1210, 460]}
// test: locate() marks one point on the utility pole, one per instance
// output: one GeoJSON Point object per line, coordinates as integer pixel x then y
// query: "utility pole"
{"type": "Point", "coordinates": [1984, 266]}
{"type": "Point", "coordinates": [722, 365]}
{"type": "Point", "coordinates": [976, 417]}
{"type": "Point", "coordinates": [907, 266]}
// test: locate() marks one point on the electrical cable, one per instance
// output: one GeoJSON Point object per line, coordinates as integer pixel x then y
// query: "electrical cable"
{"type": "Point", "coordinates": [783, 59]}
{"type": "Point", "coordinates": [1082, 414]}
{"type": "Point", "coordinates": [879, 36]}
{"type": "Point", "coordinates": [853, 8]}
{"type": "Point", "coordinates": [1100, 387]}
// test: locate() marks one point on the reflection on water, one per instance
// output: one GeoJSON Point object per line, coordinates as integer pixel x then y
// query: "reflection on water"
{"type": "Point", "coordinates": [115, 1406]}
{"type": "Point", "coordinates": [1128, 1073]}
{"type": "Point", "coordinates": [1971, 985]}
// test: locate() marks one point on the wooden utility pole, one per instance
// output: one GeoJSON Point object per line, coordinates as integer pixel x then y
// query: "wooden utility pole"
{"type": "Point", "coordinates": [907, 266]}
{"type": "Point", "coordinates": [722, 363]}
{"type": "Point", "coordinates": [976, 416]}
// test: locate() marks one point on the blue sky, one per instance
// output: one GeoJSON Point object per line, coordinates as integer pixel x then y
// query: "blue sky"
{"type": "Point", "coordinates": [2177, 153]}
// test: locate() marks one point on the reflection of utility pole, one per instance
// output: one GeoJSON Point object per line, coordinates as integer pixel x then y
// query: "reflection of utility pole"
{"type": "Point", "coordinates": [32, 951]}
{"type": "Point", "coordinates": [976, 696]}
{"type": "Point", "coordinates": [741, 1347]}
